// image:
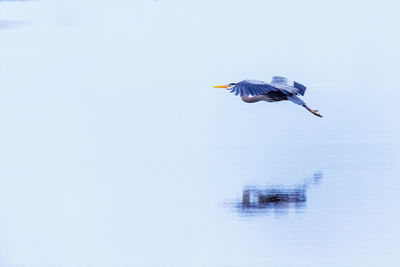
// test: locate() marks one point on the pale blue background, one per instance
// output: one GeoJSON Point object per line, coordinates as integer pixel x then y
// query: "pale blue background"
{"type": "Point", "coordinates": [115, 149]}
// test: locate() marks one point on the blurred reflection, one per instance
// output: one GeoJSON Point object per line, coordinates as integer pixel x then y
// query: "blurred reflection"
{"type": "Point", "coordinates": [4, 24]}
{"type": "Point", "coordinates": [277, 198]}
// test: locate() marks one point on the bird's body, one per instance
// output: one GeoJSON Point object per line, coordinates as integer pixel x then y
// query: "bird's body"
{"type": "Point", "coordinates": [275, 96]}
{"type": "Point", "coordinates": [279, 89]}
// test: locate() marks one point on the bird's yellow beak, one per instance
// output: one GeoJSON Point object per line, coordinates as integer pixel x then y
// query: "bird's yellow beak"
{"type": "Point", "coordinates": [221, 86]}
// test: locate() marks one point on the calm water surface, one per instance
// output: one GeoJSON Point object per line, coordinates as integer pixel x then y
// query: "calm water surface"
{"type": "Point", "coordinates": [115, 151]}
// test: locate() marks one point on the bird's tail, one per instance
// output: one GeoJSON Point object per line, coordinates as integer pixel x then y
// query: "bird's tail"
{"type": "Point", "coordinates": [301, 88]}
{"type": "Point", "coordinates": [296, 100]}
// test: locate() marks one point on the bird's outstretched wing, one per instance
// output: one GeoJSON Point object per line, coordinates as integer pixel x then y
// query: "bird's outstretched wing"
{"type": "Point", "coordinates": [286, 85]}
{"type": "Point", "coordinates": [252, 87]}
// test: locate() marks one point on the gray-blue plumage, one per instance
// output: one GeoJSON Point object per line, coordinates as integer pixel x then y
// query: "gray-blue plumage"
{"type": "Point", "coordinates": [252, 87]}
{"type": "Point", "coordinates": [278, 83]}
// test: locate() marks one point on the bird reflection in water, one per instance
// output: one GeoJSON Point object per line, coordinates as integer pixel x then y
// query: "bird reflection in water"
{"type": "Point", "coordinates": [278, 198]}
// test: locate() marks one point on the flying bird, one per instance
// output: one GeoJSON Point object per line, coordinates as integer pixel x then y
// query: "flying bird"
{"type": "Point", "coordinates": [279, 89]}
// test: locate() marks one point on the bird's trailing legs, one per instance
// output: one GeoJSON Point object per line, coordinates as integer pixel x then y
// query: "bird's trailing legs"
{"type": "Point", "coordinates": [294, 99]}
{"type": "Point", "coordinates": [315, 112]}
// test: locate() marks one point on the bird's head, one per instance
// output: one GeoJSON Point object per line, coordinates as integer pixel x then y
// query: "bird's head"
{"type": "Point", "coordinates": [228, 86]}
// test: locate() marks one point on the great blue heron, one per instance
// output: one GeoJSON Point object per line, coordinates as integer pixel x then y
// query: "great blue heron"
{"type": "Point", "coordinates": [279, 89]}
